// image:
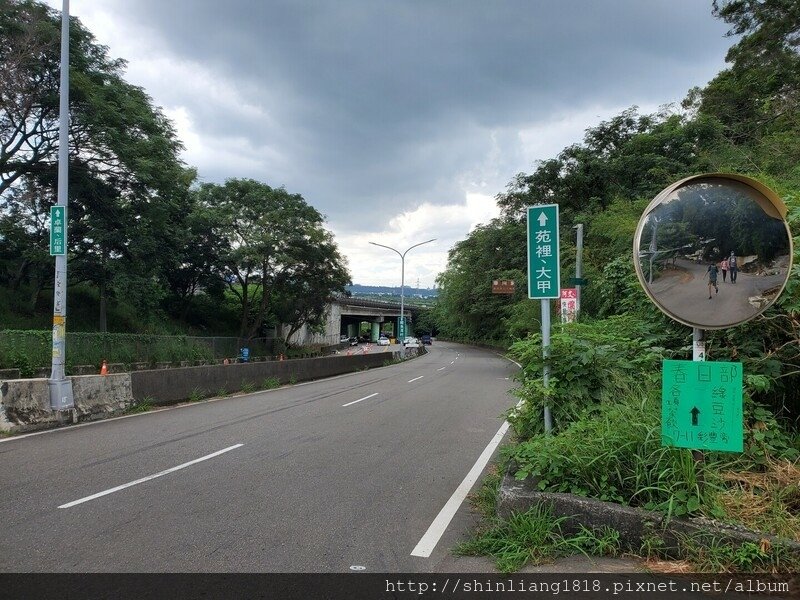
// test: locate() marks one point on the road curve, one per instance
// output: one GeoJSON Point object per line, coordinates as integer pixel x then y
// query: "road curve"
{"type": "Point", "coordinates": [316, 477]}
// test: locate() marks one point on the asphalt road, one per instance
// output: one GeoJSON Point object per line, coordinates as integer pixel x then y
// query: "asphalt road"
{"type": "Point", "coordinates": [318, 477]}
{"type": "Point", "coordinates": [684, 292]}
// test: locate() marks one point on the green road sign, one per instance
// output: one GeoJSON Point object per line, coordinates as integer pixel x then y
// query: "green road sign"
{"type": "Point", "coordinates": [578, 281]}
{"type": "Point", "coordinates": [544, 276]}
{"type": "Point", "coordinates": [401, 330]}
{"type": "Point", "coordinates": [58, 230]}
{"type": "Point", "coordinates": [701, 405]}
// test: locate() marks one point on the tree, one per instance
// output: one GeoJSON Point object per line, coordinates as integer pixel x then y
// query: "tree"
{"type": "Point", "coordinates": [305, 290]}
{"type": "Point", "coordinates": [273, 243]}
{"type": "Point", "coordinates": [631, 156]}
{"type": "Point", "coordinates": [466, 307]}
{"type": "Point", "coordinates": [128, 188]}
{"type": "Point", "coordinates": [757, 99]}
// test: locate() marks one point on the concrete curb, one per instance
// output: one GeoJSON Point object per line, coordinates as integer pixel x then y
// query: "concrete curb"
{"type": "Point", "coordinates": [636, 526]}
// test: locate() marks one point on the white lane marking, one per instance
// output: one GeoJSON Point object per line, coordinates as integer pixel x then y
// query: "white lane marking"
{"type": "Point", "coordinates": [428, 542]}
{"type": "Point", "coordinates": [416, 379]}
{"type": "Point", "coordinates": [453, 362]}
{"type": "Point", "coordinates": [360, 399]}
{"type": "Point", "coordinates": [442, 369]}
{"type": "Point", "coordinates": [149, 477]}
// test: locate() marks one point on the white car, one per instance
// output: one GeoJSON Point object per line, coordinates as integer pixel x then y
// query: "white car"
{"type": "Point", "coordinates": [383, 341]}
{"type": "Point", "coordinates": [411, 342]}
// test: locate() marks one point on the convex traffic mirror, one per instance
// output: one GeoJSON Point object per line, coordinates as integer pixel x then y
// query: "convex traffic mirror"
{"type": "Point", "coordinates": [713, 251]}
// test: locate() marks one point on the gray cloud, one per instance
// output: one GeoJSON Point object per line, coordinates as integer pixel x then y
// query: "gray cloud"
{"type": "Point", "coordinates": [376, 106]}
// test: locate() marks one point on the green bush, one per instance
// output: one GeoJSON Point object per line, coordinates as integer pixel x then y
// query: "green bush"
{"type": "Point", "coordinates": [614, 453]}
{"type": "Point", "coordinates": [31, 350]}
{"type": "Point", "coordinates": [588, 363]}
{"type": "Point", "coordinates": [271, 383]}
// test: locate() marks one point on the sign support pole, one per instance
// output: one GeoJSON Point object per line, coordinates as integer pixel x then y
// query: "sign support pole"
{"type": "Point", "coordinates": [60, 386]}
{"type": "Point", "coordinates": [548, 418]}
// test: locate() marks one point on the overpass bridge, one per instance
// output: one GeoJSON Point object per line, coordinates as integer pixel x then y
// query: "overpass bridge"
{"type": "Point", "coordinates": [346, 316]}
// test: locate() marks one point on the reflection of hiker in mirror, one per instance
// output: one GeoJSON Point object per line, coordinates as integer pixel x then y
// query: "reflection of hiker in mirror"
{"type": "Point", "coordinates": [712, 279]}
{"type": "Point", "coordinates": [732, 265]}
{"type": "Point", "coordinates": [723, 266]}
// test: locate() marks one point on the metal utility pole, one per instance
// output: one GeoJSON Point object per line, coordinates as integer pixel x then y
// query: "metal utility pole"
{"type": "Point", "coordinates": [402, 287]}
{"type": "Point", "coordinates": [578, 269]}
{"type": "Point", "coordinates": [60, 387]}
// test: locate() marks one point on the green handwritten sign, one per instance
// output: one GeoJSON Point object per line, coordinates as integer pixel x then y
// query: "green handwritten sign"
{"type": "Point", "coordinates": [701, 405]}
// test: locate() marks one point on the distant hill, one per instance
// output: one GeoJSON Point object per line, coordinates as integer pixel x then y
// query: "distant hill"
{"type": "Point", "coordinates": [371, 290]}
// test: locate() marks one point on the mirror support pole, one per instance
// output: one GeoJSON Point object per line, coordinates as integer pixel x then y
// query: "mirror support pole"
{"type": "Point", "coordinates": [698, 355]}
{"type": "Point", "coordinates": [698, 344]}
{"type": "Point", "coordinates": [548, 418]}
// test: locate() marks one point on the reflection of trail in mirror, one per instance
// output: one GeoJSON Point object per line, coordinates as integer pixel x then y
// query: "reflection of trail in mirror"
{"type": "Point", "coordinates": [684, 292]}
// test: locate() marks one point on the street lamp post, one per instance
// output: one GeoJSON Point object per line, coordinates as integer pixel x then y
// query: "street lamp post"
{"type": "Point", "coordinates": [61, 397]}
{"type": "Point", "coordinates": [402, 284]}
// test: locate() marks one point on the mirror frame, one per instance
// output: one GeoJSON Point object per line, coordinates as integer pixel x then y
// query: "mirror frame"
{"type": "Point", "coordinates": [776, 209]}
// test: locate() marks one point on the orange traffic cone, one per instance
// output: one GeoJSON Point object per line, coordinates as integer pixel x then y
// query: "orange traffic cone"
{"type": "Point", "coordinates": [104, 368]}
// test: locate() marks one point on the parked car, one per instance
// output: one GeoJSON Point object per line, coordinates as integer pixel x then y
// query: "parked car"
{"type": "Point", "coordinates": [426, 339]}
{"type": "Point", "coordinates": [354, 341]}
{"type": "Point", "coordinates": [411, 343]}
{"type": "Point", "coordinates": [383, 341]}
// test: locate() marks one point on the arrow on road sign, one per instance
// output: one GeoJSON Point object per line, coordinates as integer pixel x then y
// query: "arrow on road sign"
{"type": "Point", "coordinates": [542, 219]}
{"type": "Point", "coordinates": [695, 411]}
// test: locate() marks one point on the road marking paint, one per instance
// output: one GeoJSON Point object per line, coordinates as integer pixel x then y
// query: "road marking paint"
{"type": "Point", "coordinates": [453, 362]}
{"type": "Point", "coordinates": [149, 477]}
{"type": "Point", "coordinates": [442, 369]}
{"type": "Point", "coordinates": [416, 379]}
{"type": "Point", "coordinates": [360, 399]}
{"type": "Point", "coordinates": [428, 542]}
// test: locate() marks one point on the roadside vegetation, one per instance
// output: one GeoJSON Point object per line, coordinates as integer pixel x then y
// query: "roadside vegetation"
{"type": "Point", "coordinates": [151, 250]}
{"type": "Point", "coordinates": [605, 386]}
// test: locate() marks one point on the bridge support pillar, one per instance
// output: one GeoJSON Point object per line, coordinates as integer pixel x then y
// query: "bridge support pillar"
{"type": "Point", "coordinates": [376, 331]}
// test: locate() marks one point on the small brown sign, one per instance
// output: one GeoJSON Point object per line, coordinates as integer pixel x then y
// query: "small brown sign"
{"type": "Point", "coordinates": [503, 286]}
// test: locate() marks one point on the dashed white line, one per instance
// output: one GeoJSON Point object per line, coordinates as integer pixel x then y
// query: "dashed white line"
{"type": "Point", "coordinates": [442, 369]}
{"type": "Point", "coordinates": [360, 399]}
{"type": "Point", "coordinates": [416, 379]}
{"type": "Point", "coordinates": [149, 477]}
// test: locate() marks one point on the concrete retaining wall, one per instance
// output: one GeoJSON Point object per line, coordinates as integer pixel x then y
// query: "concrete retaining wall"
{"type": "Point", "coordinates": [174, 385]}
{"type": "Point", "coordinates": [25, 403]}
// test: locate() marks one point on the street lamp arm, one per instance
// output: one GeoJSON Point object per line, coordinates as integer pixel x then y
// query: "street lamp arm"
{"type": "Point", "coordinates": [420, 244]}
{"type": "Point", "coordinates": [388, 248]}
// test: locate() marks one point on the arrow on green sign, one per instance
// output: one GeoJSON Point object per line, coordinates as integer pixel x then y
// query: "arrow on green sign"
{"type": "Point", "coordinates": [695, 411]}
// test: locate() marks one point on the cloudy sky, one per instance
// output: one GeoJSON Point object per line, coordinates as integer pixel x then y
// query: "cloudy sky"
{"type": "Point", "coordinates": [400, 120]}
